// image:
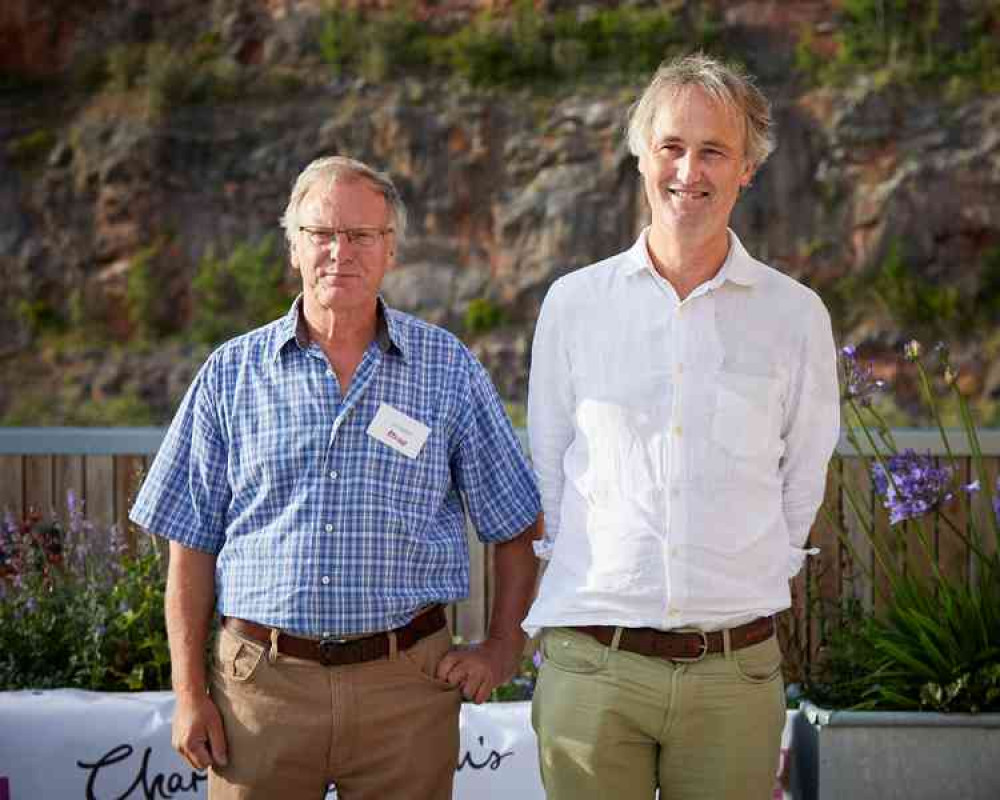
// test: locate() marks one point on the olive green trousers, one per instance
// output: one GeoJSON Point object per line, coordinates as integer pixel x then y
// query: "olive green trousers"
{"type": "Point", "coordinates": [613, 724]}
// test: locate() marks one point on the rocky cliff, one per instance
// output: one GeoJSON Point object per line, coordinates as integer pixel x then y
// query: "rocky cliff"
{"type": "Point", "coordinates": [120, 174]}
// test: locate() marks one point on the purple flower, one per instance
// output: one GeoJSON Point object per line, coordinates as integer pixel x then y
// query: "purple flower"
{"type": "Point", "coordinates": [971, 488]}
{"type": "Point", "coordinates": [860, 382]}
{"type": "Point", "coordinates": [537, 659]}
{"type": "Point", "coordinates": [913, 485]}
{"type": "Point", "coordinates": [996, 501]}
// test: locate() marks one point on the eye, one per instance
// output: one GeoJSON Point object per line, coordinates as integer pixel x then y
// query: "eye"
{"type": "Point", "coordinates": [361, 238]}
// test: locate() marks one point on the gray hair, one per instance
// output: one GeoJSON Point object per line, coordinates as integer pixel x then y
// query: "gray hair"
{"type": "Point", "coordinates": [331, 169]}
{"type": "Point", "coordinates": [727, 84]}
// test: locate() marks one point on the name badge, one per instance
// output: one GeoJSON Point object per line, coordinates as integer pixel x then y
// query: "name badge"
{"type": "Point", "coordinates": [399, 431]}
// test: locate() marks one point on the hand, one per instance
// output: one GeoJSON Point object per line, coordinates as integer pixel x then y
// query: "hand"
{"type": "Point", "coordinates": [478, 669]}
{"type": "Point", "coordinates": [197, 731]}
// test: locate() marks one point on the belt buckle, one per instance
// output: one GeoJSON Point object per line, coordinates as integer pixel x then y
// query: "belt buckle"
{"type": "Point", "coordinates": [330, 650]}
{"type": "Point", "coordinates": [702, 653]}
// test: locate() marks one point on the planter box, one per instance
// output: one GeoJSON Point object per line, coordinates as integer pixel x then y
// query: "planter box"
{"type": "Point", "coordinates": [894, 755]}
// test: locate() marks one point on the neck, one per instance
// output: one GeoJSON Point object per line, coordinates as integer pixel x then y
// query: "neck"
{"type": "Point", "coordinates": [349, 328]}
{"type": "Point", "coordinates": [686, 262]}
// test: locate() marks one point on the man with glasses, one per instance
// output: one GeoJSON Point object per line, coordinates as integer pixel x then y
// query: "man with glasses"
{"type": "Point", "coordinates": [683, 407]}
{"type": "Point", "coordinates": [314, 486]}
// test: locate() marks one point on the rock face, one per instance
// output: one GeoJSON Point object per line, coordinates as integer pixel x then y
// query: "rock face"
{"type": "Point", "coordinates": [507, 190]}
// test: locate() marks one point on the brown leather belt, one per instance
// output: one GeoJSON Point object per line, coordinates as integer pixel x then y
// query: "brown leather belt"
{"type": "Point", "coordinates": [681, 645]}
{"type": "Point", "coordinates": [337, 652]}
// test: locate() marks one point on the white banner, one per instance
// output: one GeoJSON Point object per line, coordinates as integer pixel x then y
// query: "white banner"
{"type": "Point", "coordinates": [72, 745]}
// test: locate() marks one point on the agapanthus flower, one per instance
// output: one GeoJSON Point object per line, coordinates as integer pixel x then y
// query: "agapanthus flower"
{"type": "Point", "coordinates": [913, 486]}
{"type": "Point", "coordinates": [859, 381]}
{"type": "Point", "coordinates": [996, 500]}
{"type": "Point", "coordinates": [971, 488]}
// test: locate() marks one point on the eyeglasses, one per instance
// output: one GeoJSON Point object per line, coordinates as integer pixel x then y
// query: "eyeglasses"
{"type": "Point", "coordinates": [361, 237]}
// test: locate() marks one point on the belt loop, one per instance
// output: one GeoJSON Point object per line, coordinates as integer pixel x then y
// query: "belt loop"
{"type": "Point", "coordinates": [616, 639]}
{"type": "Point", "coordinates": [393, 645]}
{"type": "Point", "coordinates": [727, 644]}
{"type": "Point", "coordinates": [272, 653]}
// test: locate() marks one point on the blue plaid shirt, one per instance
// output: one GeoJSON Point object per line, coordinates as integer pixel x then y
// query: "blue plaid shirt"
{"type": "Point", "coordinates": [319, 528]}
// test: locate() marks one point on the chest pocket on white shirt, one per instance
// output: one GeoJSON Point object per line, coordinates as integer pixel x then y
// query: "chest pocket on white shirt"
{"type": "Point", "coordinates": [746, 413]}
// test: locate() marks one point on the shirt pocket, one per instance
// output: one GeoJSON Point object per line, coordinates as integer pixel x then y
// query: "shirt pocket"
{"type": "Point", "coordinates": [746, 414]}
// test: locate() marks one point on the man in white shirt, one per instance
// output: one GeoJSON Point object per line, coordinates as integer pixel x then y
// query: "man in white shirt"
{"type": "Point", "coordinates": [682, 411]}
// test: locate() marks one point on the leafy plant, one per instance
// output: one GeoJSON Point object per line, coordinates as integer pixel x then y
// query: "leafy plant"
{"type": "Point", "coordinates": [234, 294]}
{"type": "Point", "coordinates": [483, 315]}
{"type": "Point", "coordinates": [936, 645]}
{"type": "Point", "coordinates": [525, 48]}
{"type": "Point", "coordinates": [904, 42]}
{"type": "Point", "coordinates": [522, 685]}
{"type": "Point", "coordinates": [74, 614]}
{"type": "Point", "coordinates": [31, 147]}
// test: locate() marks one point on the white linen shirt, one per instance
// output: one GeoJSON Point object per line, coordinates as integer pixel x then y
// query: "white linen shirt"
{"type": "Point", "coordinates": [681, 447]}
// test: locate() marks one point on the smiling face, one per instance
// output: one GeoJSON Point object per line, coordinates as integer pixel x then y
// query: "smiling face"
{"type": "Point", "coordinates": [694, 167]}
{"type": "Point", "coordinates": [344, 275]}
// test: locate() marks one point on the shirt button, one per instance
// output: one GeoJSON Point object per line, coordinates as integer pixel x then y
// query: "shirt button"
{"type": "Point", "coordinates": [329, 373]}
{"type": "Point", "coordinates": [677, 430]}
{"type": "Point", "coordinates": [329, 528]}
{"type": "Point", "coordinates": [673, 552]}
{"type": "Point", "coordinates": [333, 475]}
{"type": "Point", "coordinates": [325, 579]}
{"type": "Point", "coordinates": [680, 369]}
{"type": "Point", "coordinates": [675, 492]}
{"type": "Point", "coordinates": [671, 611]}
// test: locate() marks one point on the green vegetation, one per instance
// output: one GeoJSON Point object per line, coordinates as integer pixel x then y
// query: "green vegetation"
{"type": "Point", "coordinates": [40, 317]}
{"type": "Point", "coordinates": [483, 315]}
{"type": "Point", "coordinates": [525, 49]}
{"type": "Point", "coordinates": [235, 294]}
{"type": "Point", "coordinates": [32, 147]}
{"type": "Point", "coordinates": [920, 306]}
{"type": "Point", "coordinates": [936, 42]}
{"type": "Point", "coordinates": [148, 305]}
{"type": "Point", "coordinates": [39, 407]}
{"type": "Point", "coordinates": [76, 616]}
{"type": "Point", "coordinates": [169, 76]}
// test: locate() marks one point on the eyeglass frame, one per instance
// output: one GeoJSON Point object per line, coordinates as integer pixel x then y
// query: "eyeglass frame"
{"type": "Point", "coordinates": [351, 234]}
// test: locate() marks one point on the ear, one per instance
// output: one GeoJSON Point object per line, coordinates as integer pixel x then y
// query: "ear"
{"type": "Point", "coordinates": [749, 170]}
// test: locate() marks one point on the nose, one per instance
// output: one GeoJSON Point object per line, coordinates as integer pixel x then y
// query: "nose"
{"type": "Point", "coordinates": [337, 243]}
{"type": "Point", "coordinates": [687, 167]}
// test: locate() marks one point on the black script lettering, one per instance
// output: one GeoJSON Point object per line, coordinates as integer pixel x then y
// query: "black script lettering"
{"type": "Point", "coordinates": [492, 761]}
{"type": "Point", "coordinates": [162, 786]}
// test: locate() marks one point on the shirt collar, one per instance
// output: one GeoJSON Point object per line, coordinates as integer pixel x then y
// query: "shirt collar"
{"type": "Point", "coordinates": [389, 334]}
{"type": "Point", "coordinates": [738, 267]}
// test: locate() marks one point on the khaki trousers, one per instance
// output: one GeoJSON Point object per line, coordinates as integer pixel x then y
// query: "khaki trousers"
{"type": "Point", "coordinates": [381, 729]}
{"type": "Point", "coordinates": [613, 724]}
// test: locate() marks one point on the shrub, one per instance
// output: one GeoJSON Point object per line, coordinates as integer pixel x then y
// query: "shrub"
{"type": "Point", "coordinates": [74, 615]}
{"type": "Point", "coordinates": [526, 48]}
{"type": "Point", "coordinates": [32, 147]}
{"type": "Point", "coordinates": [900, 41]}
{"type": "Point", "coordinates": [482, 316]}
{"type": "Point", "coordinates": [935, 643]}
{"type": "Point", "coordinates": [232, 295]}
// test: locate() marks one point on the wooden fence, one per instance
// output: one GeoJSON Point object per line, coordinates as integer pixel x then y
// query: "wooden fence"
{"type": "Point", "coordinates": [39, 465]}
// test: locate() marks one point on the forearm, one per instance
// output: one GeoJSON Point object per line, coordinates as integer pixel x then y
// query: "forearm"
{"type": "Point", "coordinates": [190, 600]}
{"type": "Point", "coordinates": [515, 570]}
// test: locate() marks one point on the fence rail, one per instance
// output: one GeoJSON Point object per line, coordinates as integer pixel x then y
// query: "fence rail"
{"type": "Point", "coordinates": [38, 466]}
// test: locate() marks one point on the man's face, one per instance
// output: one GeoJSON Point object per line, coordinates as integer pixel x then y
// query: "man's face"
{"type": "Point", "coordinates": [695, 165]}
{"type": "Point", "coordinates": [339, 274]}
